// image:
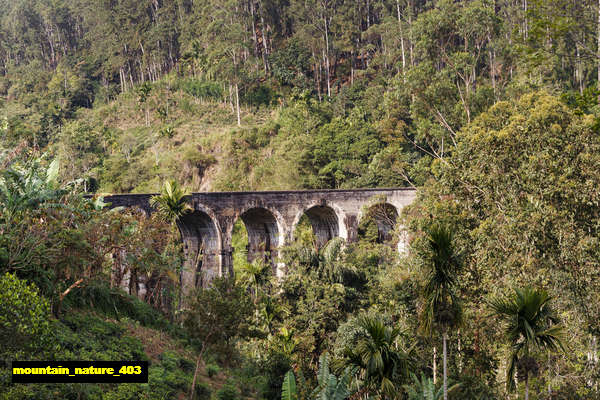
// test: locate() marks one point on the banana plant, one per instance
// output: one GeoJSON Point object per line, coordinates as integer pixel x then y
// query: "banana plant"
{"type": "Point", "coordinates": [288, 389]}
{"type": "Point", "coordinates": [423, 388]}
{"type": "Point", "coordinates": [330, 386]}
{"type": "Point", "coordinates": [29, 186]}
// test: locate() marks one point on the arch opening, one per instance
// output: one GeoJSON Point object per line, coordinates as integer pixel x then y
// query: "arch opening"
{"type": "Point", "coordinates": [201, 247]}
{"type": "Point", "coordinates": [263, 236]}
{"type": "Point", "coordinates": [324, 222]}
{"type": "Point", "coordinates": [383, 218]}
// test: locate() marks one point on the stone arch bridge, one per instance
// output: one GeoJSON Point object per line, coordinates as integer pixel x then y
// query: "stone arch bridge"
{"type": "Point", "coordinates": [270, 219]}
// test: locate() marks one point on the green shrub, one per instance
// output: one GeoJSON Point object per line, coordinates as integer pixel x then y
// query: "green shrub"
{"type": "Point", "coordinates": [228, 392]}
{"type": "Point", "coordinates": [212, 370]}
{"type": "Point", "coordinates": [187, 365]}
{"type": "Point", "coordinates": [115, 303]}
{"type": "Point", "coordinates": [260, 95]}
{"type": "Point", "coordinates": [129, 391]}
{"type": "Point", "coordinates": [201, 89]}
{"type": "Point", "coordinates": [202, 391]}
{"type": "Point", "coordinates": [24, 317]}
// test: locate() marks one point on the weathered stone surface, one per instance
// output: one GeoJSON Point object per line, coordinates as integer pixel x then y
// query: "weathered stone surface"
{"type": "Point", "coordinates": [270, 219]}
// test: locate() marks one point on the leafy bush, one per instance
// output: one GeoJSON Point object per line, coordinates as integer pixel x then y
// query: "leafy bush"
{"type": "Point", "coordinates": [113, 301]}
{"type": "Point", "coordinates": [201, 89]}
{"type": "Point", "coordinates": [202, 391]}
{"type": "Point", "coordinates": [212, 370]}
{"type": "Point", "coordinates": [291, 64]}
{"type": "Point", "coordinates": [260, 95]}
{"type": "Point", "coordinates": [228, 392]}
{"type": "Point", "coordinates": [24, 317]}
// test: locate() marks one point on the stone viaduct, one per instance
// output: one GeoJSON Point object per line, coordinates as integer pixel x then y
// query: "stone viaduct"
{"type": "Point", "coordinates": [270, 219]}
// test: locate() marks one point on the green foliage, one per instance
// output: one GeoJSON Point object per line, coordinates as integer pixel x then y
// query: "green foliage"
{"type": "Point", "coordinates": [423, 388]}
{"type": "Point", "coordinates": [203, 391]}
{"type": "Point", "coordinates": [202, 89]}
{"type": "Point", "coordinates": [171, 204]}
{"type": "Point", "coordinates": [443, 95]}
{"type": "Point", "coordinates": [522, 218]}
{"type": "Point", "coordinates": [88, 336]}
{"type": "Point", "coordinates": [25, 327]}
{"type": "Point", "coordinates": [260, 96]}
{"type": "Point", "coordinates": [288, 388]}
{"type": "Point", "coordinates": [228, 392]}
{"type": "Point", "coordinates": [531, 325]}
{"type": "Point", "coordinates": [442, 264]}
{"type": "Point", "coordinates": [291, 64]}
{"type": "Point", "coordinates": [271, 369]}
{"type": "Point", "coordinates": [330, 387]}
{"type": "Point", "coordinates": [219, 314]}
{"type": "Point", "coordinates": [29, 186]}
{"type": "Point", "coordinates": [116, 303]}
{"type": "Point", "coordinates": [212, 370]}
{"type": "Point", "coordinates": [381, 365]}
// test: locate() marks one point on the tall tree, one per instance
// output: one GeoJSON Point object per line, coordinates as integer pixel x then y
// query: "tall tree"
{"type": "Point", "coordinates": [441, 305]}
{"type": "Point", "coordinates": [216, 317]}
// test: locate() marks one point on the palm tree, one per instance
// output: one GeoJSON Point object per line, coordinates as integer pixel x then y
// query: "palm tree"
{"type": "Point", "coordinates": [171, 205]}
{"type": "Point", "coordinates": [255, 275]}
{"type": "Point", "coordinates": [380, 364]}
{"type": "Point", "coordinates": [329, 265]}
{"type": "Point", "coordinates": [531, 325]}
{"type": "Point", "coordinates": [441, 305]}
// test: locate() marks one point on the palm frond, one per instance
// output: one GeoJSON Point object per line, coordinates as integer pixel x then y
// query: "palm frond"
{"type": "Point", "coordinates": [530, 324]}
{"type": "Point", "coordinates": [171, 203]}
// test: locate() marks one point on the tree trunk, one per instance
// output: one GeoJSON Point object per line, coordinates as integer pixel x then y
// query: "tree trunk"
{"type": "Point", "coordinates": [327, 57]}
{"type": "Point", "coordinates": [264, 41]}
{"type": "Point", "coordinates": [459, 354]}
{"type": "Point", "coordinates": [237, 104]}
{"type": "Point", "coordinates": [410, 30]}
{"type": "Point", "coordinates": [402, 41]}
{"type": "Point", "coordinates": [492, 67]}
{"type": "Point", "coordinates": [598, 51]}
{"type": "Point", "coordinates": [445, 340]}
{"type": "Point", "coordinates": [434, 365]}
{"type": "Point", "coordinates": [527, 386]}
{"type": "Point", "coordinates": [525, 22]}
{"type": "Point", "coordinates": [254, 38]}
{"type": "Point", "coordinates": [352, 67]}
{"type": "Point", "coordinates": [195, 376]}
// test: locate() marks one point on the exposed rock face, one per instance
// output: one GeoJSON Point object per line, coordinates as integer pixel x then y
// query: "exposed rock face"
{"type": "Point", "coordinates": [270, 219]}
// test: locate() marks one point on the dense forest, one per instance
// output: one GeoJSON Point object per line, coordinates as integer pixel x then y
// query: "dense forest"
{"type": "Point", "coordinates": [488, 108]}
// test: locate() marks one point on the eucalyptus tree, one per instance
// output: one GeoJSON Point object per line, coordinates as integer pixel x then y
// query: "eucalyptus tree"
{"type": "Point", "coordinates": [530, 325]}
